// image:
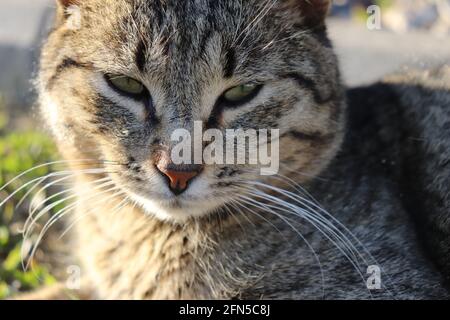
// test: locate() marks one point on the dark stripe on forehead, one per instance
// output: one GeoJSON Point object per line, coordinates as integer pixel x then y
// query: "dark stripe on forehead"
{"type": "Point", "coordinates": [230, 63]}
{"type": "Point", "coordinates": [205, 39]}
{"type": "Point", "coordinates": [67, 63]}
{"type": "Point", "coordinates": [310, 85]}
{"type": "Point", "coordinates": [140, 57]}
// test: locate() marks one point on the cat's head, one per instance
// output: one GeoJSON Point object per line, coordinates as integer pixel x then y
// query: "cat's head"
{"type": "Point", "coordinates": [118, 77]}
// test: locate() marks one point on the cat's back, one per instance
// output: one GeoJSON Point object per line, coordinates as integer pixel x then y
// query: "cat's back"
{"type": "Point", "coordinates": [424, 97]}
{"type": "Point", "coordinates": [399, 137]}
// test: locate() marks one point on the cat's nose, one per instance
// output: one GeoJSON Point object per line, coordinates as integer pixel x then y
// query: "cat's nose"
{"type": "Point", "coordinates": [179, 176]}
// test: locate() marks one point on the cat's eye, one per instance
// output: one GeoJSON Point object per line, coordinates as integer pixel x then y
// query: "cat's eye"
{"type": "Point", "coordinates": [126, 85]}
{"type": "Point", "coordinates": [241, 94]}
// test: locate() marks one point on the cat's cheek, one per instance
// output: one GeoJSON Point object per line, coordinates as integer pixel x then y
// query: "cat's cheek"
{"type": "Point", "coordinates": [52, 112]}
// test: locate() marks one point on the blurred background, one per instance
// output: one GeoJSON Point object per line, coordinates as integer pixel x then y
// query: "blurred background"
{"type": "Point", "coordinates": [410, 33]}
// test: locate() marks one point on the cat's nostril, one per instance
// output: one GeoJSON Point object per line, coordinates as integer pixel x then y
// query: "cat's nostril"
{"type": "Point", "coordinates": [179, 176]}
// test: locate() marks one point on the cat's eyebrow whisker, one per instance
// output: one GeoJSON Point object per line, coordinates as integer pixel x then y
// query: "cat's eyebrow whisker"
{"type": "Point", "coordinates": [259, 16]}
{"type": "Point", "coordinates": [295, 35]}
{"type": "Point", "coordinates": [238, 25]}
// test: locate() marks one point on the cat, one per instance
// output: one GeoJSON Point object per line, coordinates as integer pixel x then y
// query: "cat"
{"type": "Point", "coordinates": [359, 209]}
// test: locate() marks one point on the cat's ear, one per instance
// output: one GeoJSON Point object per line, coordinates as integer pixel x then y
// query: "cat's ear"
{"type": "Point", "coordinates": [68, 3]}
{"type": "Point", "coordinates": [312, 12]}
{"type": "Point", "coordinates": [68, 12]}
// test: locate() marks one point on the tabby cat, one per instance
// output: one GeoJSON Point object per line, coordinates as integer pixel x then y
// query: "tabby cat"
{"type": "Point", "coordinates": [360, 208]}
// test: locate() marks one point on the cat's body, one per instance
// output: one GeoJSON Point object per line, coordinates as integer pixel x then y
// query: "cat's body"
{"type": "Point", "coordinates": [379, 166]}
{"type": "Point", "coordinates": [375, 199]}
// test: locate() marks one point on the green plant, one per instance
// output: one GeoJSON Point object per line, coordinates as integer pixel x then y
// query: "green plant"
{"type": "Point", "coordinates": [360, 11]}
{"type": "Point", "coordinates": [19, 152]}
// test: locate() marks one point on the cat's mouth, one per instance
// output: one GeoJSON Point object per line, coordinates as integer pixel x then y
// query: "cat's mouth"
{"type": "Point", "coordinates": [158, 200]}
{"type": "Point", "coordinates": [179, 209]}
{"type": "Point", "coordinates": [173, 196]}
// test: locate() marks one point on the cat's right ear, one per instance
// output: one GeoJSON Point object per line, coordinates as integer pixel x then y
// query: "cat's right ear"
{"type": "Point", "coordinates": [68, 10]}
{"type": "Point", "coordinates": [68, 3]}
{"type": "Point", "coordinates": [311, 13]}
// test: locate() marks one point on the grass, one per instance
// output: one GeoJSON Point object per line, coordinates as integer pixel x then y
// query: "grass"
{"type": "Point", "coordinates": [360, 12]}
{"type": "Point", "coordinates": [19, 151]}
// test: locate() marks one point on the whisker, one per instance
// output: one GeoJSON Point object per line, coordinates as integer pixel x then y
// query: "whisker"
{"type": "Point", "coordinates": [259, 216]}
{"type": "Point", "coordinates": [285, 220]}
{"type": "Point", "coordinates": [323, 229]}
{"type": "Point", "coordinates": [314, 220]}
{"type": "Point", "coordinates": [40, 179]}
{"type": "Point", "coordinates": [31, 221]}
{"type": "Point", "coordinates": [313, 202]}
{"type": "Point", "coordinates": [260, 15]}
{"type": "Point", "coordinates": [69, 174]}
{"type": "Point", "coordinates": [320, 218]}
{"type": "Point", "coordinates": [59, 215]}
{"type": "Point", "coordinates": [115, 210]}
{"type": "Point", "coordinates": [37, 207]}
{"type": "Point", "coordinates": [46, 165]}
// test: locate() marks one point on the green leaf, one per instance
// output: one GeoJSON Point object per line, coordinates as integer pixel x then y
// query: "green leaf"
{"type": "Point", "coordinates": [14, 259]}
{"type": "Point", "coordinates": [4, 290]}
{"type": "Point", "coordinates": [4, 236]}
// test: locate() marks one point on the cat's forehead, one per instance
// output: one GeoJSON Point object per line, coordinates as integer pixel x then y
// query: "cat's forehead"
{"type": "Point", "coordinates": [174, 37]}
{"type": "Point", "coordinates": [169, 40]}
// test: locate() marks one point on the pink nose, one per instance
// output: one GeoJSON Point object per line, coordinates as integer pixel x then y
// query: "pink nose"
{"type": "Point", "coordinates": [179, 176]}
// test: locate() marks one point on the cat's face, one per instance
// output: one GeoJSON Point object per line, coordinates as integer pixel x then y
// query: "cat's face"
{"type": "Point", "coordinates": [119, 76]}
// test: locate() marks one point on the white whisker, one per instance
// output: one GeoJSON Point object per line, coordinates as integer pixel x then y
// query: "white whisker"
{"type": "Point", "coordinates": [256, 204]}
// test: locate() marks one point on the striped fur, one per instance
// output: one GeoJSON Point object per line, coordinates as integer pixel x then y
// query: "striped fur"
{"type": "Point", "coordinates": [187, 53]}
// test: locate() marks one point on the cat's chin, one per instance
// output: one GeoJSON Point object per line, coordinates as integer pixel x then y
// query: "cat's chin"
{"type": "Point", "coordinates": [176, 210]}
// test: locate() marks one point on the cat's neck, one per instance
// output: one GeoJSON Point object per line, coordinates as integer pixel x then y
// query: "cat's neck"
{"type": "Point", "coordinates": [126, 249]}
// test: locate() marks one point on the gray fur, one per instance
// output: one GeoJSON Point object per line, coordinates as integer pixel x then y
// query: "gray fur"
{"type": "Point", "coordinates": [376, 158]}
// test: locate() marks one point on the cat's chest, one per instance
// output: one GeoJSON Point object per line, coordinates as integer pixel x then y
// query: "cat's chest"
{"type": "Point", "coordinates": [141, 263]}
{"type": "Point", "coordinates": [138, 258]}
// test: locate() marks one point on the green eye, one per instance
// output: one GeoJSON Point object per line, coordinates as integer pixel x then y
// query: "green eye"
{"type": "Point", "coordinates": [241, 93]}
{"type": "Point", "coordinates": [126, 85]}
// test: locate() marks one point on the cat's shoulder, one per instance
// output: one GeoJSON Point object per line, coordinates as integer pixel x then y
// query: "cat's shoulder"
{"type": "Point", "coordinates": [416, 92]}
{"type": "Point", "coordinates": [407, 116]}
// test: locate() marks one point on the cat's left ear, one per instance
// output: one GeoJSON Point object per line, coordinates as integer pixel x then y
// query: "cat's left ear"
{"type": "Point", "coordinates": [68, 3]}
{"type": "Point", "coordinates": [312, 12]}
{"type": "Point", "coordinates": [67, 10]}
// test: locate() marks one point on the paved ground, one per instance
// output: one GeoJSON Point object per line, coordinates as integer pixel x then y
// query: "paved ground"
{"type": "Point", "coordinates": [19, 20]}
{"type": "Point", "coordinates": [365, 55]}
